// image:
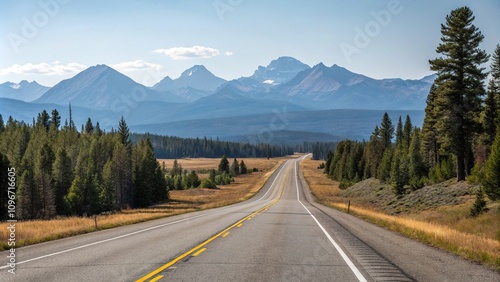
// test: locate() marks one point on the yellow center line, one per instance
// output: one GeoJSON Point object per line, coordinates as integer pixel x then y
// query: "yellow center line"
{"type": "Point", "coordinates": [177, 259]}
{"type": "Point", "coordinates": [199, 252]}
{"type": "Point", "coordinates": [225, 234]}
{"type": "Point", "coordinates": [156, 278]}
{"type": "Point", "coordinates": [239, 225]}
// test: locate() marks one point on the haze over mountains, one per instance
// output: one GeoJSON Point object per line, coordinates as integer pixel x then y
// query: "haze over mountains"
{"type": "Point", "coordinates": [285, 86]}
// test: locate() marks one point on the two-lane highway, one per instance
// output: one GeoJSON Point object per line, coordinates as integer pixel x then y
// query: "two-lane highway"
{"type": "Point", "coordinates": [283, 242]}
{"type": "Point", "coordinates": [278, 235]}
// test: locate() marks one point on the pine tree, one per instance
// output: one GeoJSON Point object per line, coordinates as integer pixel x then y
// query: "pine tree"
{"type": "Point", "coordinates": [399, 172]}
{"type": "Point", "coordinates": [107, 190]}
{"type": "Point", "coordinates": [75, 196]}
{"type": "Point", "coordinates": [89, 127]}
{"type": "Point", "coordinates": [122, 170]}
{"type": "Point", "coordinates": [479, 206]}
{"type": "Point", "coordinates": [407, 133]}
{"type": "Point", "coordinates": [459, 83]}
{"type": "Point", "coordinates": [124, 133]}
{"type": "Point", "coordinates": [430, 145]}
{"type": "Point", "coordinates": [235, 167]}
{"type": "Point", "coordinates": [243, 167]}
{"type": "Point", "coordinates": [176, 169]}
{"type": "Point", "coordinates": [386, 131]}
{"type": "Point", "coordinates": [491, 181]}
{"type": "Point", "coordinates": [27, 195]}
{"type": "Point", "coordinates": [224, 165]}
{"type": "Point", "coordinates": [384, 169]}
{"type": "Point", "coordinates": [417, 169]}
{"type": "Point", "coordinates": [55, 120]}
{"type": "Point", "coordinates": [399, 134]}
{"type": "Point", "coordinates": [44, 182]}
{"type": "Point", "coordinates": [62, 173]}
{"type": "Point", "coordinates": [43, 119]}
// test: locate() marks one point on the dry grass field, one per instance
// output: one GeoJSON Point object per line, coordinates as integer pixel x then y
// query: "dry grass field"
{"type": "Point", "coordinates": [446, 227]}
{"type": "Point", "coordinates": [245, 186]}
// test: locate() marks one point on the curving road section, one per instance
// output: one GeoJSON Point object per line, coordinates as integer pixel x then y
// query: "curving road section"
{"type": "Point", "coordinates": [280, 234]}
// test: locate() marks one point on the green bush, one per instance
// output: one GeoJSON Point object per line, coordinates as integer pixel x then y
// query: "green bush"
{"type": "Point", "coordinates": [207, 183]}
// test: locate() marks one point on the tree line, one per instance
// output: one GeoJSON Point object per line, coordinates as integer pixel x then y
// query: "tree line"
{"type": "Point", "coordinates": [169, 147]}
{"type": "Point", "coordinates": [460, 136]}
{"type": "Point", "coordinates": [62, 171]}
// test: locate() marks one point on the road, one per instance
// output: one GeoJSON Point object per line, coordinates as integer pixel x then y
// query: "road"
{"type": "Point", "coordinates": [278, 235]}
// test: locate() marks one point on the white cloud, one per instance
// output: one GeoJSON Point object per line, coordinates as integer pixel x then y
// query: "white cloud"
{"type": "Point", "coordinates": [182, 53]}
{"type": "Point", "coordinates": [227, 53]}
{"type": "Point", "coordinates": [43, 69]}
{"type": "Point", "coordinates": [136, 66]}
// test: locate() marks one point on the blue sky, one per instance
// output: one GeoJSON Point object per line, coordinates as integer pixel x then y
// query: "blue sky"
{"type": "Point", "coordinates": [52, 40]}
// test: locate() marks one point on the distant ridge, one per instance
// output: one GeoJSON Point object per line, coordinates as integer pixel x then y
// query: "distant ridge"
{"type": "Point", "coordinates": [101, 87]}
{"type": "Point", "coordinates": [24, 90]}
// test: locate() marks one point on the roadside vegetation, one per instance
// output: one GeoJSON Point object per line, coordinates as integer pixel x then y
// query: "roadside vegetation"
{"type": "Point", "coordinates": [439, 184]}
{"type": "Point", "coordinates": [438, 215]}
{"type": "Point", "coordinates": [181, 201]}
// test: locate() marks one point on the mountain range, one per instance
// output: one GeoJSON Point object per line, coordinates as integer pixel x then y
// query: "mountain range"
{"type": "Point", "coordinates": [24, 90]}
{"type": "Point", "coordinates": [285, 85]}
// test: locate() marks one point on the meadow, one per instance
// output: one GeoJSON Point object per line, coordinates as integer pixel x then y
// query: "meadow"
{"type": "Point", "coordinates": [181, 201]}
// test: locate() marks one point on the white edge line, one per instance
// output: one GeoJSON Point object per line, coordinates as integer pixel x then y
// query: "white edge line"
{"type": "Point", "coordinates": [351, 265]}
{"type": "Point", "coordinates": [133, 233]}
{"type": "Point", "coordinates": [272, 184]}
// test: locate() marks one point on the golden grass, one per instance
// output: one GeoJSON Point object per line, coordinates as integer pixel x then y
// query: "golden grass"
{"type": "Point", "coordinates": [245, 186]}
{"type": "Point", "coordinates": [447, 227]}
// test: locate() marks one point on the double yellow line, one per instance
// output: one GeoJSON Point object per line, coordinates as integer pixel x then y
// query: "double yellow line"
{"type": "Point", "coordinates": [198, 249]}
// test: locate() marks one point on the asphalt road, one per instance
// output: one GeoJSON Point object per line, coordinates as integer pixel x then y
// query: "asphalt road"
{"type": "Point", "coordinates": [278, 235]}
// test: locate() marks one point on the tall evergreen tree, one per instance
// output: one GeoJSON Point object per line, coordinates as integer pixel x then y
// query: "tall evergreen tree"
{"type": "Point", "coordinates": [243, 167]}
{"type": "Point", "coordinates": [89, 127]}
{"type": "Point", "coordinates": [62, 173]}
{"type": "Point", "coordinates": [407, 133]}
{"type": "Point", "coordinates": [55, 119]}
{"type": "Point", "coordinates": [107, 190]}
{"type": "Point", "coordinates": [459, 80]}
{"type": "Point", "coordinates": [399, 133]}
{"type": "Point", "coordinates": [386, 131]}
{"type": "Point", "coordinates": [224, 165]}
{"type": "Point", "coordinates": [399, 172]}
{"type": "Point", "coordinates": [44, 182]}
{"type": "Point", "coordinates": [430, 146]}
{"type": "Point", "coordinates": [235, 167]}
{"type": "Point", "coordinates": [27, 195]}
{"type": "Point", "coordinates": [124, 133]}
{"type": "Point", "coordinates": [43, 119]}
{"type": "Point", "coordinates": [417, 169]}
{"type": "Point", "coordinates": [122, 171]}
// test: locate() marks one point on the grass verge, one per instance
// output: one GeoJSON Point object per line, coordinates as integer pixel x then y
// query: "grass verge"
{"type": "Point", "coordinates": [244, 187]}
{"type": "Point", "coordinates": [446, 227]}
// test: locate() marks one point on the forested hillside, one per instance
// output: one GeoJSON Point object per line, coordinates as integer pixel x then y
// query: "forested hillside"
{"type": "Point", "coordinates": [61, 171]}
{"type": "Point", "coordinates": [461, 131]}
{"type": "Point", "coordinates": [170, 147]}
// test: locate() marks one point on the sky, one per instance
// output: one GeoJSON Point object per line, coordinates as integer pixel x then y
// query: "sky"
{"type": "Point", "coordinates": [52, 40]}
